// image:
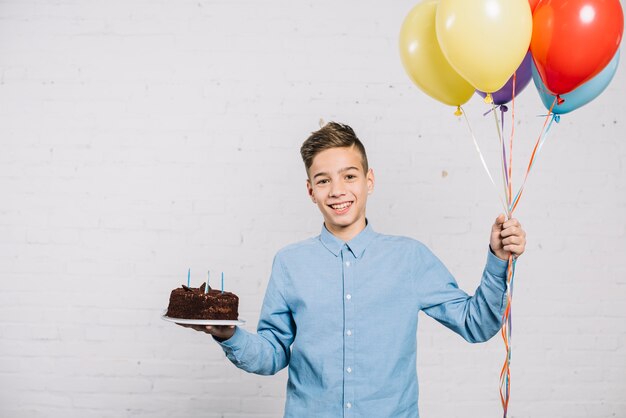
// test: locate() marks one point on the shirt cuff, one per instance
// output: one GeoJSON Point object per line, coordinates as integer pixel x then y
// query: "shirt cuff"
{"type": "Point", "coordinates": [495, 265]}
{"type": "Point", "coordinates": [234, 342]}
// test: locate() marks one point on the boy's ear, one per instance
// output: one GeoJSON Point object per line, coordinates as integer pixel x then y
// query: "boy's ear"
{"type": "Point", "coordinates": [370, 181]}
{"type": "Point", "coordinates": [309, 189]}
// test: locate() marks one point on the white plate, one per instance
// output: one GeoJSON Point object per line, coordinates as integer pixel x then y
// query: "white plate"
{"type": "Point", "coordinates": [204, 321]}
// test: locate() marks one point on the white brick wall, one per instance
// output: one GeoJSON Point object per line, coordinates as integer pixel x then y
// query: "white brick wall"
{"type": "Point", "coordinates": [140, 138]}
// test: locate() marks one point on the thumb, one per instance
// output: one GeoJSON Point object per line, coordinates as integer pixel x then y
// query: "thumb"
{"type": "Point", "coordinates": [500, 219]}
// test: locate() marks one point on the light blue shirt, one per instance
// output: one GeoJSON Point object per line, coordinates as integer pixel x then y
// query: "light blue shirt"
{"type": "Point", "coordinates": [343, 317]}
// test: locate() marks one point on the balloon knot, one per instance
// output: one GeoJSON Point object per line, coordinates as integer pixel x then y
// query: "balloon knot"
{"type": "Point", "coordinates": [559, 100]}
{"type": "Point", "coordinates": [557, 118]}
{"type": "Point", "coordinates": [458, 111]}
{"type": "Point", "coordinates": [488, 98]}
{"type": "Point", "coordinates": [504, 108]}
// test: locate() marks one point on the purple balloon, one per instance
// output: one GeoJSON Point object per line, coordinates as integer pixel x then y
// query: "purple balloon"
{"type": "Point", "coordinates": [523, 77]}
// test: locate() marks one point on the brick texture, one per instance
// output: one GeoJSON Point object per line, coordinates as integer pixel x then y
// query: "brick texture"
{"type": "Point", "coordinates": [142, 138]}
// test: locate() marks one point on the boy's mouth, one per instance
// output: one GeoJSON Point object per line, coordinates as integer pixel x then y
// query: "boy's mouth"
{"type": "Point", "coordinates": [341, 207]}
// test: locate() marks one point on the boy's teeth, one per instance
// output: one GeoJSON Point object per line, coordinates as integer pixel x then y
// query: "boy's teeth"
{"type": "Point", "coordinates": [341, 206]}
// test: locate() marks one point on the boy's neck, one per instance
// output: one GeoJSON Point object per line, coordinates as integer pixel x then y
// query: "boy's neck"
{"type": "Point", "coordinates": [349, 232]}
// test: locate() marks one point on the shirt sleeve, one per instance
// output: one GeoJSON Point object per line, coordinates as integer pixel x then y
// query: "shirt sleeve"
{"type": "Point", "coordinates": [268, 350]}
{"type": "Point", "coordinates": [476, 318]}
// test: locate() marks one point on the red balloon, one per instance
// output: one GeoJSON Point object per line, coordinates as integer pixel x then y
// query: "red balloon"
{"type": "Point", "coordinates": [533, 4]}
{"type": "Point", "coordinates": [573, 40]}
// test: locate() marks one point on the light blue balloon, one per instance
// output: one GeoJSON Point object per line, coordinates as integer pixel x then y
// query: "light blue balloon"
{"type": "Point", "coordinates": [581, 95]}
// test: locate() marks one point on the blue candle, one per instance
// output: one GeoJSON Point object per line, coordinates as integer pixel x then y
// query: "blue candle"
{"type": "Point", "coordinates": [222, 282]}
{"type": "Point", "coordinates": [208, 274]}
{"type": "Point", "coordinates": [188, 276]}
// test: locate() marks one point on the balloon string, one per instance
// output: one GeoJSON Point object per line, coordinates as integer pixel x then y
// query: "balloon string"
{"type": "Point", "coordinates": [504, 170]}
{"type": "Point", "coordinates": [510, 206]}
{"type": "Point", "coordinates": [507, 322]}
{"type": "Point", "coordinates": [507, 178]}
{"type": "Point", "coordinates": [506, 332]}
{"type": "Point", "coordinates": [482, 159]}
{"type": "Point", "coordinates": [505, 374]}
{"type": "Point", "coordinates": [547, 124]}
{"type": "Point", "coordinates": [502, 108]}
{"type": "Point", "coordinates": [510, 183]}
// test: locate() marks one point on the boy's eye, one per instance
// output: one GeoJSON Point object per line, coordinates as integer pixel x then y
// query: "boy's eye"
{"type": "Point", "coordinates": [350, 177]}
{"type": "Point", "coordinates": [323, 181]}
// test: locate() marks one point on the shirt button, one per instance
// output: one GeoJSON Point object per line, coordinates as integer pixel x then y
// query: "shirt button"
{"type": "Point", "coordinates": [348, 263]}
{"type": "Point", "coordinates": [348, 405]}
{"type": "Point", "coordinates": [349, 369]}
{"type": "Point", "coordinates": [348, 333]}
{"type": "Point", "coordinates": [348, 296]}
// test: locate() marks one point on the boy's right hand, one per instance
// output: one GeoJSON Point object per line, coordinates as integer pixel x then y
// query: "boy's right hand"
{"type": "Point", "coordinates": [220, 332]}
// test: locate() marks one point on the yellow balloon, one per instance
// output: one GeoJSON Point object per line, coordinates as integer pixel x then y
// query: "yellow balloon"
{"type": "Point", "coordinates": [484, 40]}
{"type": "Point", "coordinates": [423, 60]}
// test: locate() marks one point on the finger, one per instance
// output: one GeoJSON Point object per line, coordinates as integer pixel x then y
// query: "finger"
{"type": "Point", "coordinates": [497, 225]}
{"type": "Point", "coordinates": [219, 327]}
{"type": "Point", "coordinates": [513, 231]}
{"type": "Point", "coordinates": [511, 222]}
{"type": "Point", "coordinates": [514, 246]}
{"type": "Point", "coordinates": [516, 250]}
{"type": "Point", "coordinates": [510, 231]}
{"type": "Point", "coordinates": [219, 330]}
{"type": "Point", "coordinates": [194, 327]}
{"type": "Point", "coordinates": [513, 240]}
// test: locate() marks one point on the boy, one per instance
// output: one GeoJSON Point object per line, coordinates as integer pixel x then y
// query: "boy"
{"type": "Point", "coordinates": [341, 308]}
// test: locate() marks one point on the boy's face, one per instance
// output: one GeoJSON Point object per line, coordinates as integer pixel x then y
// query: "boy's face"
{"type": "Point", "coordinates": [339, 186]}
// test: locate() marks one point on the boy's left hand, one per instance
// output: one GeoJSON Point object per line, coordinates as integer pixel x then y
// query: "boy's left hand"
{"type": "Point", "coordinates": [507, 237]}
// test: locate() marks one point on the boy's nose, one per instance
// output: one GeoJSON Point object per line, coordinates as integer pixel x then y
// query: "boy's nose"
{"type": "Point", "coordinates": [337, 190]}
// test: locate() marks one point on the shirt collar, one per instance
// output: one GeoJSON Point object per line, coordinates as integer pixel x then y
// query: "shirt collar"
{"type": "Point", "coordinates": [357, 244]}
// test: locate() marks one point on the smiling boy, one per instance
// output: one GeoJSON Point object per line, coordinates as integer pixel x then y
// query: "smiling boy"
{"type": "Point", "coordinates": [341, 309]}
{"type": "Point", "coordinates": [339, 182]}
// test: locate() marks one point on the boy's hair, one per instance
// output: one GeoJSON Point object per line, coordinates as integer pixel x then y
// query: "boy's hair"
{"type": "Point", "coordinates": [331, 135]}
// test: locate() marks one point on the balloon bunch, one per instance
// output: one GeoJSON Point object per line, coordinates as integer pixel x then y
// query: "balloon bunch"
{"type": "Point", "coordinates": [452, 48]}
{"type": "Point", "coordinates": [569, 48]}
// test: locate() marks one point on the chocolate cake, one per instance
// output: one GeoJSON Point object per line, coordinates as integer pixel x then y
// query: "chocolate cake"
{"type": "Point", "coordinates": [193, 303]}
